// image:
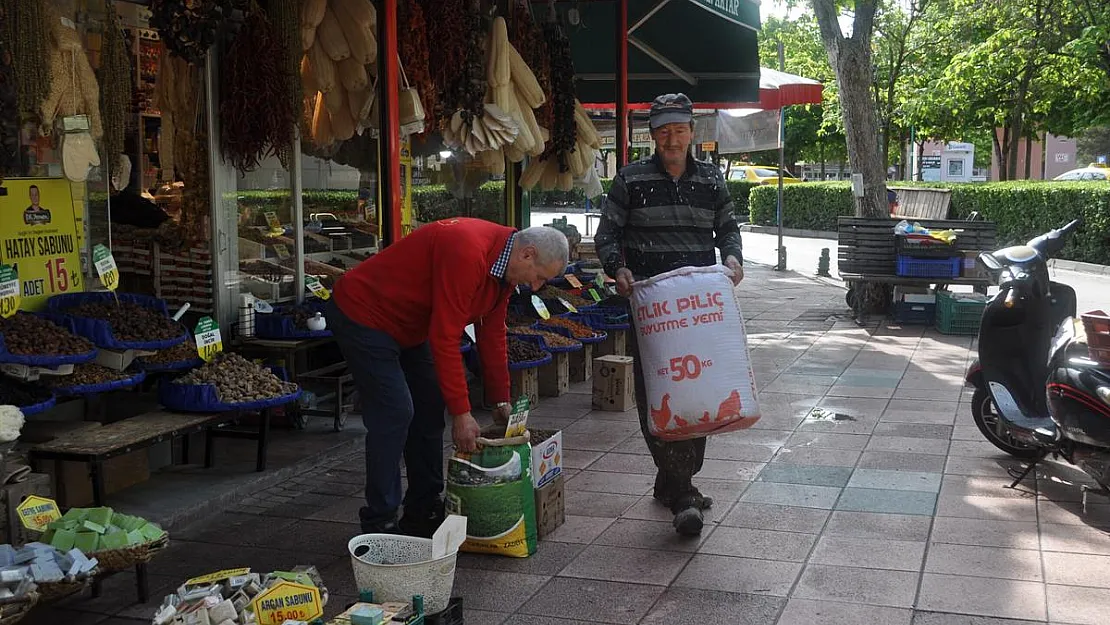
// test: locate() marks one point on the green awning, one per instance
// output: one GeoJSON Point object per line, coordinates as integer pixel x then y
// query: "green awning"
{"type": "Point", "coordinates": [706, 49]}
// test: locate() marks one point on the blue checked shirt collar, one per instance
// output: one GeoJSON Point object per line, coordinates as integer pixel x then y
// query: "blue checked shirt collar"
{"type": "Point", "coordinates": [502, 263]}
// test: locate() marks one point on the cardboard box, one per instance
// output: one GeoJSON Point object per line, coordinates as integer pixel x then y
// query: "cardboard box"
{"type": "Point", "coordinates": [74, 487]}
{"type": "Point", "coordinates": [11, 495]}
{"type": "Point", "coordinates": [550, 507]}
{"type": "Point", "coordinates": [555, 377]}
{"type": "Point", "coordinates": [614, 383]}
{"type": "Point", "coordinates": [547, 456]}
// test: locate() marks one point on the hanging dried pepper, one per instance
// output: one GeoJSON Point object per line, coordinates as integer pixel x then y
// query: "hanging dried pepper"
{"type": "Point", "coordinates": [116, 77]}
{"type": "Point", "coordinates": [257, 118]}
{"type": "Point", "coordinates": [415, 56]}
{"type": "Point", "coordinates": [528, 38]}
{"type": "Point", "coordinates": [449, 54]}
{"type": "Point", "coordinates": [27, 33]}
{"type": "Point", "coordinates": [564, 132]}
{"type": "Point", "coordinates": [9, 114]}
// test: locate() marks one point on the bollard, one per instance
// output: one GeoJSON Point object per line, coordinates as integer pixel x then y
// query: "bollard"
{"type": "Point", "coordinates": [823, 263]}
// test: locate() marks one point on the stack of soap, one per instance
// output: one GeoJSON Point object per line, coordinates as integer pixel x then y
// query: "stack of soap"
{"type": "Point", "coordinates": [99, 529]}
{"type": "Point", "coordinates": [218, 602]}
{"type": "Point", "coordinates": [40, 563]}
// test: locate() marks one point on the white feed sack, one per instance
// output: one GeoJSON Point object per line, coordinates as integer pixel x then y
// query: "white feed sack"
{"type": "Point", "coordinates": [694, 353]}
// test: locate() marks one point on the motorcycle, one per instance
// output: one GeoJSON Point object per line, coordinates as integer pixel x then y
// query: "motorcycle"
{"type": "Point", "coordinates": [1037, 391]}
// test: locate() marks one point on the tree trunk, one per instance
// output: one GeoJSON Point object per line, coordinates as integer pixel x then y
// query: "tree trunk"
{"type": "Point", "coordinates": [1029, 158]}
{"type": "Point", "coordinates": [1001, 151]}
{"type": "Point", "coordinates": [821, 147]}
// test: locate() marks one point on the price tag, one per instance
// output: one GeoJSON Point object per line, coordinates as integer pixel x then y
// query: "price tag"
{"type": "Point", "coordinates": [599, 280]}
{"type": "Point", "coordinates": [282, 250]}
{"type": "Point", "coordinates": [595, 295]}
{"type": "Point", "coordinates": [287, 601]}
{"type": "Point", "coordinates": [273, 221]}
{"type": "Point", "coordinates": [518, 419]}
{"type": "Point", "coordinates": [568, 305]}
{"type": "Point", "coordinates": [218, 576]}
{"type": "Point", "coordinates": [209, 342]}
{"type": "Point", "coordinates": [35, 513]}
{"type": "Point", "coordinates": [573, 280]}
{"type": "Point", "coordinates": [106, 267]}
{"type": "Point", "coordinates": [540, 307]}
{"type": "Point", "coordinates": [9, 290]}
{"type": "Point", "coordinates": [319, 290]}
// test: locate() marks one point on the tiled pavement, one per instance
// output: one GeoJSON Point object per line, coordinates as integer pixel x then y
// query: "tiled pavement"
{"type": "Point", "coordinates": [894, 511]}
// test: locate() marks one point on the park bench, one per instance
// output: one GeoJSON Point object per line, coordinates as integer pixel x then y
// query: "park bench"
{"type": "Point", "coordinates": [867, 253]}
{"type": "Point", "coordinates": [922, 203]}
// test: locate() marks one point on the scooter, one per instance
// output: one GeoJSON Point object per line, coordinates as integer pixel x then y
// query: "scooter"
{"type": "Point", "coordinates": [1037, 393]}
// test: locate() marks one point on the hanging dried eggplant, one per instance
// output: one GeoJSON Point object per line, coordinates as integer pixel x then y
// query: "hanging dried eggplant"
{"type": "Point", "coordinates": [256, 116]}
{"type": "Point", "coordinates": [116, 78]}
{"type": "Point", "coordinates": [563, 130]}
{"type": "Point", "coordinates": [189, 28]}
{"type": "Point", "coordinates": [26, 29]}
{"type": "Point", "coordinates": [415, 55]}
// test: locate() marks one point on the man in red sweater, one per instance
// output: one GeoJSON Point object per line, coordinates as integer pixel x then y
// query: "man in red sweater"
{"type": "Point", "coordinates": [399, 318]}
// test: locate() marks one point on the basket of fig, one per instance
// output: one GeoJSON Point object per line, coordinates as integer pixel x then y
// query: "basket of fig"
{"type": "Point", "coordinates": [42, 340]}
{"type": "Point", "coordinates": [120, 321]}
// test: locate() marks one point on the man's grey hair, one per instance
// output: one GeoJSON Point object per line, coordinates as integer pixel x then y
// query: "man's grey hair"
{"type": "Point", "coordinates": [551, 245]}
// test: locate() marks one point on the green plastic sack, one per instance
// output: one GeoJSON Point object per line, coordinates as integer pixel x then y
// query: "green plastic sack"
{"type": "Point", "coordinates": [493, 489]}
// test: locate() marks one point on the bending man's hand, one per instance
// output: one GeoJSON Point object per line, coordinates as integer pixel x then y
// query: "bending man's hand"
{"type": "Point", "coordinates": [465, 432]}
{"type": "Point", "coordinates": [737, 270]}
{"type": "Point", "coordinates": [624, 282]}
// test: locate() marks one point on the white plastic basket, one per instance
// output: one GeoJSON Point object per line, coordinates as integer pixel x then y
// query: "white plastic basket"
{"type": "Point", "coordinates": [398, 567]}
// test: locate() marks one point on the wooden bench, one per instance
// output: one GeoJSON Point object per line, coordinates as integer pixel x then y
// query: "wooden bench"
{"type": "Point", "coordinates": [922, 203]}
{"type": "Point", "coordinates": [866, 253]}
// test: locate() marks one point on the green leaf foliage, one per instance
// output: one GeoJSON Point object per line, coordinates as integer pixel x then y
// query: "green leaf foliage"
{"type": "Point", "coordinates": [1021, 209]}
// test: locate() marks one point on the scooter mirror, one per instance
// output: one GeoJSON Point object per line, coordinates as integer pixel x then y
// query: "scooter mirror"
{"type": "Point", "coordinates": [989, 261]}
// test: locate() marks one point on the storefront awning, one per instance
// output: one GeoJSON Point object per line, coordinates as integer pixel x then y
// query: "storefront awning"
{"type": "Point", "coordinates": [706, 49]}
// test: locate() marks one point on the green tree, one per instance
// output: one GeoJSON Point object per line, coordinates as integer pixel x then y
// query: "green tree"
{"type": "Point", "coordinates": [1093, 143]}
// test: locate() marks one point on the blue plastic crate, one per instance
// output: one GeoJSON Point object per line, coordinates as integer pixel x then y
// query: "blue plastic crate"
{"type": "Point", "coordinates": [909, 267]}
{"type": "Point", "coordinates": [914, 313]}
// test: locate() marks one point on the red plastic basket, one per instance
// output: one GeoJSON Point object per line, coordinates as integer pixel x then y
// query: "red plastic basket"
{"type": "Point", "coordinates": [1097, 326]}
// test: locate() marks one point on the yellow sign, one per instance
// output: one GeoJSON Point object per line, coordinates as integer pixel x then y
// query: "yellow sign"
{"type": "Point", "coordinates": [287, 601]}
{"type": "Point", "coordinates": [540, 307]}
{"type": "Point", "coordinates": [318, 289]}
{"type": "Point", "coordinates": [709, 146]}
{"type": "Point", "coordinates": [208, 339]}
{"type": "Point", "coordinates": [573, 280]}
{"type": "Point", "coordinates": [273, 221]}
{"type": "Point", "coordinates": [37, 512]}
{"type": "Point", "coordinates": [281, 250]}
{"type": "Point", "coordinates": [38, 236]}
{"type": "Point", "coordinates": [106, 267]}
{"type": "Point", "coordinates": [218, 576]}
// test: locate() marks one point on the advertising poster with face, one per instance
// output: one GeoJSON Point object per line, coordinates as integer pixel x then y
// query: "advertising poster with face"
{"type": "Point", "coordinates": [38, 235]}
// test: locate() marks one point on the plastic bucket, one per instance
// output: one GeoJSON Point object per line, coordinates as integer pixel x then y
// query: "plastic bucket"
{"type": "Point", "coordinates": [398, 567]}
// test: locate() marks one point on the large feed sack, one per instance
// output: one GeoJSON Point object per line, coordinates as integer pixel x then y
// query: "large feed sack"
{"type": "Point", "coordinates": [694, 354]}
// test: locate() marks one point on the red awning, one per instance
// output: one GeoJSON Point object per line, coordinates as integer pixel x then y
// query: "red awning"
{"type": "Point", "coordinates": [776, 90]}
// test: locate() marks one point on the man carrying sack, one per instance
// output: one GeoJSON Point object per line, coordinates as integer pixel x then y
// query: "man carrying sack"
{"type": "Point", "coordinates": [663, 213]}
{"type": "Point", "coordinates": [399, 318]}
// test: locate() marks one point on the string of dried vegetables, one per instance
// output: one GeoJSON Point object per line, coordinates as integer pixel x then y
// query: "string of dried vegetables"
{"type": "Point", "coordinates": [563, 128]}
{"type": "Point", "coordinates": [257, 118]}
{"type": "Point", "coordinates": [9, 113]}
{"type": "Point", "coordinates": [27, 32]}
{"type": "Point", "coordinates": [528, 38]}
{"type": "Point", "coordinates": [414, 55]}
{"type": "Point", "coordinates": [450, 33]}
{"type": "Point", "coordinates": [285, 16]}
{"type": "Point", "coordinates": [183, 145]}
{"type": "Point", "coordinates": [190, 27]}
{"type": "Point", "coordinates": [116, 77]}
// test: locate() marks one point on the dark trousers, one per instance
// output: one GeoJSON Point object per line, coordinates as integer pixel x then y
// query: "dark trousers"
{"type": "Point", "coordinates": [677, 461]}
{"type": "Point", "coordinates": [403, 410]}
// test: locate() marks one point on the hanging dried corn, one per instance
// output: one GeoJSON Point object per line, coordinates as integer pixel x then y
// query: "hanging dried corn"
{"type": "Point", "coordinates": [116, 77]}
{"type": "Point", "coordinates": [414, 55]}
{"type": "Point", "coordinates": [27, 31]}
{"type": "Point", "coordinates": [285, 16]}
{"type": "Point", "coordinates": [257, 118]}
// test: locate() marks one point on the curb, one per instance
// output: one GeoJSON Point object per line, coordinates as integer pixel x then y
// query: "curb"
{"type": "Point", "coordinates": [1079, 267]}
{"type": "Point", "coordinates": [788, 232]}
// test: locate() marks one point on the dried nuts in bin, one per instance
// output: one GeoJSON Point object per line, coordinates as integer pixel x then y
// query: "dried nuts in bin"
{"type": "Point", "coordinates": [129, 321]}
{"type": "Point", "coordinates": [524, 351]}
{"type": "Point", "coordinates": [84, 375]}
{"type": "Point", "coordinates": [27, 334]}
{"type": "Point", "coordinates": [238, 380]}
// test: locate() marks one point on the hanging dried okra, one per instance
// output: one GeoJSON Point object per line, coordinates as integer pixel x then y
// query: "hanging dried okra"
{"type": "Point", "coordinates": [27, 33]}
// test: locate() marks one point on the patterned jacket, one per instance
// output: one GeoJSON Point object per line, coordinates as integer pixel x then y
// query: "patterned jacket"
{"type": "Point", "coordinates": [652, 223]}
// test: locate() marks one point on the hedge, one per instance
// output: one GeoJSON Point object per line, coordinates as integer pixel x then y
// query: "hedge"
{"type": "Point", "coordinates": [433, 202]}
{"type": "Point", "coordinates": [1021, 209]}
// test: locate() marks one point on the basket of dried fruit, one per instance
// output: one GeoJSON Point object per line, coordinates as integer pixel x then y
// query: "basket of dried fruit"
{"type": "Point", "coordinates": [526, 352]}
{"type": "Point", "coordinates": [228, 382]}
{"type": "Point", "coordinates": [177, 358]}
{"type": "Point", "coordinates": [42, 340]}
{"type": "Point", "coordinates": [90, 378]}
{"type": "Point", "coordinates": [29, 398]}
{"type": "Point", "coordinates": [575, 326]}
{"type": "Point", "coordinates": [120, 321]}
{"type": "Point", "coordinates": [550, 341]}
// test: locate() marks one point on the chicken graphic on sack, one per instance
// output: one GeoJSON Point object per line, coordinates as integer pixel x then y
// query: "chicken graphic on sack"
{"type": "Point", "coordinates": [728, 410]}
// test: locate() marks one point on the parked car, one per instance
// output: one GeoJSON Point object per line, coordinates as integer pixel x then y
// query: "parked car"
{"type": "Point", "coordinates": [1094, 171]}
{"type": "Point", "coordinates": [760, 174]}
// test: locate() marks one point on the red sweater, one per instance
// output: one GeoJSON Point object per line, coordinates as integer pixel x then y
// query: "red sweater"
{"type": "Point", "coordinates": [428, 287]}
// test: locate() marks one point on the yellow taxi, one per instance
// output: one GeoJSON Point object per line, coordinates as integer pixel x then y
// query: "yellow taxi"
{"type": "Point", "coordinates": [760, 174]}
{"type": "Point", "coordinates": [1094, 171]}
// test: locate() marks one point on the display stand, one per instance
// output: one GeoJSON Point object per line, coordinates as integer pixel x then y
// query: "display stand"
{"type": "Point", "coordinates": [616, 344]}
{"type": "Point", "coordinates": [554, 379]}
{"type": "Point", "coordinates": [525, 382]}
{"type": "Point", "coordinates": [581, 364]}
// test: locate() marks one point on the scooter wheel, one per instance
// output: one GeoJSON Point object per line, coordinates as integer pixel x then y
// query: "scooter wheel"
{"type": "Point", "coordinates": [986, 418]}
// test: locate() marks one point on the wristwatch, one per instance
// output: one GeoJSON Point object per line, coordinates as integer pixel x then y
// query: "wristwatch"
{"type": "Point", "coordinates": [500, 404]}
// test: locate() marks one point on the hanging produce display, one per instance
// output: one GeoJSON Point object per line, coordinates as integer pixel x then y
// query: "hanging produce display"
{"type": "Point", "coordinates": [414, 56]}
{"type": "Point", "coordinates": [183, 141]}
{"type": "Point", "coordinates": [563, 129]}
{"type": "Point", "coordinates": [189, 28]}
{"type": "Point", "coordinates": [514, 89]}
{"type": "Point", "coordinates": [73, 99]}
{"type": "Point", "coordinates": [116, 87]}
{"type": "Point", "coordinates": [285, 17]}
{"type": "Point", "coordinates": [547, 171]}
{"type": "Point", "coordinates": [528, 38]}
{"type": "Point", "coordinates": [257, 118]}
{"type": "Point", "coordinates": [27, 33]}
{"type": "Point", "coordinates": [337, 37]}
{"type": "Point", "coordinates": [9, 111]}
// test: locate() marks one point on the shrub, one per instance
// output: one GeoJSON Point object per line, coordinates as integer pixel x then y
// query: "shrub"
{"type": "Point", "coordinates": [1021, 209]}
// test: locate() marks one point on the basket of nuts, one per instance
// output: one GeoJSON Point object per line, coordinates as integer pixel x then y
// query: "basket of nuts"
{"type": "Point", "coordinates": [90, 378]}
{"type": "Point", "coordinates": [228, 382]}
{"type": "Point", "coordinates": [42, 340]}
{"type": "Point", "coordinates": [29, 398]}
{"type": "Point", "coordinates": [120, 321]}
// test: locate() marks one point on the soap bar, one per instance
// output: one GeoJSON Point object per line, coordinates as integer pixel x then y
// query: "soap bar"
{"type": "Point", "coordinates": [100, 516]}
{"type": "Point", "coordinates": [134, 537]}
{"type": "Point", "coordinates": [7, 555]}
{"type": "Point", "coordinates": [118, 540]}
{"type": "Point", "coordinates": [93, 527]}
{"type": "Point", "coordinates": [64, 540]}
{"type": "Point", "coordinates": [86, 542]}
{"type": "Point", "coordinates": [366, 615]}
{"type": "Point", "coordinates": [223, 611]}
{"type": "Point", "coordinates": [151, 531]}
{"type": "Point", "coordinates": [75, 514]}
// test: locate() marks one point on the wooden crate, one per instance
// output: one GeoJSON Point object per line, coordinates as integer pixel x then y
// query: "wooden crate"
{"type": "Point", "coordinates": [615, 344]}
{"type": "Point", "coordinates": [11, 495]}
{"type": "Point", "coordinates": [554, 378]}
{"type": "Point", "coordinates": [866, 245]}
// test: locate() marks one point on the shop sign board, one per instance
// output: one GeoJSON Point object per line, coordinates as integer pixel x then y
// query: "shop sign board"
{"type": "Point", "coordinates": [38, 236]}
{"type": "Point", "coordinates": [106, 267]}
{"type": "Point", "coordinates": [9, 291]}
{"type": "Point", "coordinates": [35, 512]}
{"type": "Point", "coordinates": [218, 576]}
{"type": "Point", "coordinates": [287, 601]}
{"type": "Point", "coordinates": [209, 341]}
